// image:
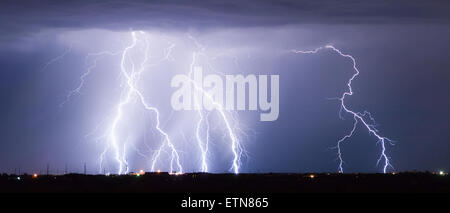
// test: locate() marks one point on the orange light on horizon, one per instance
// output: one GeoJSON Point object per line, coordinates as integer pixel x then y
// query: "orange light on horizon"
{"type": "Point", "coordinates": [35, 175]}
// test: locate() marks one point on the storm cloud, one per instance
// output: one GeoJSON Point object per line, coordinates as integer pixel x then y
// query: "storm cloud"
{"type": "Point", "coordinates": [21, 17]}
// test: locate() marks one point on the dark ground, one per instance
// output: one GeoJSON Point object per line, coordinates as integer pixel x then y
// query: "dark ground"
{"type": "Point", "coordinates": [198, 182]}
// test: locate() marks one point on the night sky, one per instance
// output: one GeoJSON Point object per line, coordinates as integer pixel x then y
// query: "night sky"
{"type": "Point", "coordinates": [401, 47]}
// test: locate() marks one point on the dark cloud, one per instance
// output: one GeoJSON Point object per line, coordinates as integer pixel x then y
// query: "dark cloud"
{"type": "Point", "coordinates": [21, 17]}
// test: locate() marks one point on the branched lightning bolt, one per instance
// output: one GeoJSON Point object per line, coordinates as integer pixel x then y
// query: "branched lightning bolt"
{"type": "Point", "coordinates": [130, 94]}
{"type": "Point", "coordinates": [57, 58]}
{"type": "Point", "coordinates": [132, 77]}
{"type": "Point", "coordinates": [236, 147]}
{"type": "Point", "coordinates": [357, 116]}
{"type": "Point", "coordinates": [83, 77]}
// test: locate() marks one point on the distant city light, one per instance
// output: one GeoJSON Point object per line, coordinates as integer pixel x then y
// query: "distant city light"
{"type": "Point", "coordinates": [141, 172]}
{"type": "Point", "coordinates": [311, 176]}
{"type": "Point", "coordinates": [442, 173]}
{"type": "Point", "coordinates": [175, 173]}
{"type": "Point", "coordinates": [159, 171]}
{"type": "Point", "coordinates": [35, 175]}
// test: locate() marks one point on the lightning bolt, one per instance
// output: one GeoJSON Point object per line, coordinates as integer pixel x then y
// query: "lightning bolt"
{"type": "Point", "coordinates": [57, 58]}
{"type": "Point", "coordinates": [235, 144]}
{"type": "Point", "coordinates": [83, 77]}
{"type": "Point", "coordinates": [363, 118]}
{"type": "Point", "coordinates": [203, 145]}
